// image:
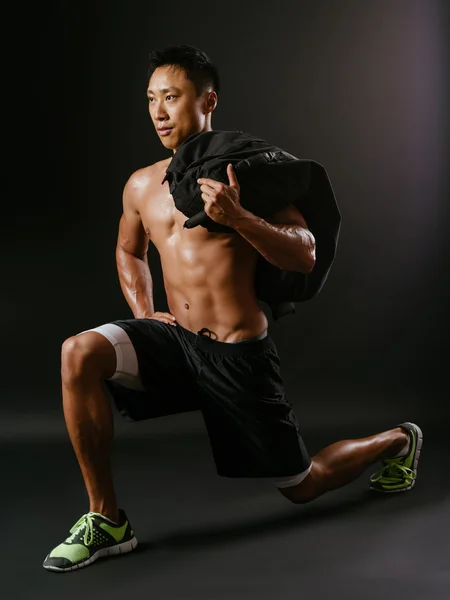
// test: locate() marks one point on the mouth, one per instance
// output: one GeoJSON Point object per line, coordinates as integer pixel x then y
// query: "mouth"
{"type": "Point", "coordinates": [164, 130]}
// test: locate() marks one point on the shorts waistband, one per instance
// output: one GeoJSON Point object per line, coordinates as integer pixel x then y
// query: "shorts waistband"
{"type": "Point", "coordinates": [202, 341]}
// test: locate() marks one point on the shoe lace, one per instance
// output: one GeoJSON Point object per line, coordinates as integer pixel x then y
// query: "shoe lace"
{"type": "Point", "coordinates": [86, 522]}
{"type": "Point", "coordinates": [394, 471]}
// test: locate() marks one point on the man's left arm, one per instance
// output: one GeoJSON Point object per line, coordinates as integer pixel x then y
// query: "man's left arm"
{"type": "Point", "coordinates": [283, 238]}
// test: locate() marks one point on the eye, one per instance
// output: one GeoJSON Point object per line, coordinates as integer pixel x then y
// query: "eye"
{"type": "Point", "coordinates": [169, 96]}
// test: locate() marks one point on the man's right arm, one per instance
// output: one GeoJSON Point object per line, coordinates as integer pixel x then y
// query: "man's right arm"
{"type": "Point", "coordinates": [131, 253]}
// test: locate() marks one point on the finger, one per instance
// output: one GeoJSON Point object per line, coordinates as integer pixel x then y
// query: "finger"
{"type": "Point", "coordinates": [207, 189]}
{"type": "Point", "coordinates": [232, 176]}
{"type": "Point", "coordinates": [215, 185]}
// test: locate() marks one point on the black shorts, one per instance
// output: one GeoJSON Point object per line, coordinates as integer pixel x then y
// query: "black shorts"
{"type": "Point", "coordinates": [252, 428]}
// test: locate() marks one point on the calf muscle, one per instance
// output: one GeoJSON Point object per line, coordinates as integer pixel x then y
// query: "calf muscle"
{"type": "Point", "coordinates": [86, 361]}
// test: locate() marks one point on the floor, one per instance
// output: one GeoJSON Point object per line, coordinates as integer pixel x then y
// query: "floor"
{"type": "Point", "coordinates": [202, 536]}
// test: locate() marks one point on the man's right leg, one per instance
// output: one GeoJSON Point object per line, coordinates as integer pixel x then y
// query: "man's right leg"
{"type": "Point", "coordinates": [88, 359]}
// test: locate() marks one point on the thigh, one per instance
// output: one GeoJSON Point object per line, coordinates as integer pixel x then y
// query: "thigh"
{"type": "Point", "coordinates": [162, 358]}
{"type": "Point", "coordinates": [165, 378]}
{"type": "Point", "coordinates": [126, 371]}
{"type": "Point", "coordinates": [252, 427]}
{"type": "Point", "coordinates": [305, 487]}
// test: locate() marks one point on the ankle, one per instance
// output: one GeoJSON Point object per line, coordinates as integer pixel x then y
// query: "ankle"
{"type": "Point", "coordinates": [399, 441]}
{"type": "Point", "coordinates": [110, 513]}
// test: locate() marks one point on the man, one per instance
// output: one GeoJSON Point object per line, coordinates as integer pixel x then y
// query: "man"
{"type": "Point", "coordinates": [212, 350]}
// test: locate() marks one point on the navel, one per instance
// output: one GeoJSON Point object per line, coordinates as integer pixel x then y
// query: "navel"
{"type": "Point", "coordinates": [186, 306]}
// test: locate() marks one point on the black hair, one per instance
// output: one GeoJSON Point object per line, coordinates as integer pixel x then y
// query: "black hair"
{"type": "Point", "coordinates": [196, 64]}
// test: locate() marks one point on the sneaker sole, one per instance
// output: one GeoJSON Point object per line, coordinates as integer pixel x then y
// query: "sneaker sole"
{"type": "Point", "coordinates": [415, 461]}
{"type": "Point", "coordinates": [122, 548]}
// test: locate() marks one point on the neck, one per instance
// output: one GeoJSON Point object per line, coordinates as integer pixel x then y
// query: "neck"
{"type": "Point", "coordinates": [206, 128]}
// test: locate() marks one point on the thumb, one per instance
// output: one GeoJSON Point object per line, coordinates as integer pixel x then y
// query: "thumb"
{"type": "Point", "coordinates": [232, 176]}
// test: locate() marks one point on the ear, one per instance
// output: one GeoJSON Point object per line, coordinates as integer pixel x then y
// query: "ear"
{"type": "Point", "coordinates": [211, 102]}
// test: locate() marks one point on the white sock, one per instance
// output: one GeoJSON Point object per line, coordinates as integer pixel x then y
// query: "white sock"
{"type": "Point", "coordinates": [405, 450]}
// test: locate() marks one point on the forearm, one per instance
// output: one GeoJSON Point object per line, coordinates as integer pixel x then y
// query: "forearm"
{"type": "Point", "coordinates": [136, 283]}
{"type": "Point", "coordinates": [288, 247]}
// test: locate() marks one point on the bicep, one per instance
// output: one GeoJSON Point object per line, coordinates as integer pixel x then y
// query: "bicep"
{"type": "Point", "coordinates": [132, 237]}
{"type": "Point", "coordinates": [289, 215]}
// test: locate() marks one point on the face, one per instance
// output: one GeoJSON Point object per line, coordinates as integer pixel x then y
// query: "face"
{"type": "Point", "coordinates": [172, 103]}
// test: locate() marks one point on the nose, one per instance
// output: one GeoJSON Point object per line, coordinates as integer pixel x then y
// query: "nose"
{"type": "Point", "coordinates": [159, 113]}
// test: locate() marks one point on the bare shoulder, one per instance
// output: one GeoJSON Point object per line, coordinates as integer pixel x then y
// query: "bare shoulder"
{"type": "Point", "coordinates": [143, 181]}
{"type": "Point", "coordinates": [140, 180]}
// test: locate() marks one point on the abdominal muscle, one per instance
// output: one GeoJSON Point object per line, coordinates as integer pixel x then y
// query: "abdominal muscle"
{"type": "Point", "coordinates": [213, 287]}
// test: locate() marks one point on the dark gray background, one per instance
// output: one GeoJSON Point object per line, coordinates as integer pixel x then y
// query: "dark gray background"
{"type": "Point", "coordinates": [360, 87]}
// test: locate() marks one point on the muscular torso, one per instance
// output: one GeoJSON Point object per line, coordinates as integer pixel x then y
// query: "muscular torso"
{"type": "Point", "coordinates": [208, 277]}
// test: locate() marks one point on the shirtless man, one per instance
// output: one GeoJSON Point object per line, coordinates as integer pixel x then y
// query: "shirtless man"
{"type": "Point", "coordinates": [212, 350]}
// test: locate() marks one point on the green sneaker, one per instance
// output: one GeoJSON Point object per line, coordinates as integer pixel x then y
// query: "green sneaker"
{"type": "Point", "coordinates": [92, 537]}
{"type": "Point", "coordinates": [399, 474]}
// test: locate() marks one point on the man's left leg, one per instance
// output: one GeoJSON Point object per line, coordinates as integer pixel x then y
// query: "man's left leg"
{"type": "Point", "coordinates": [344, 461]}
